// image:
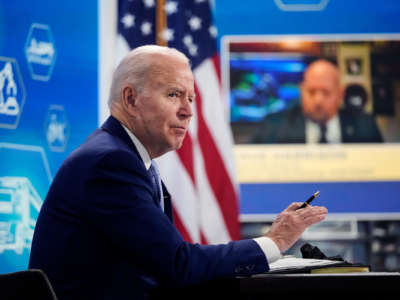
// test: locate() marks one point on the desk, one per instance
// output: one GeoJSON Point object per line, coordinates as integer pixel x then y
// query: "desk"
{"type": "Point", "coordinates": [372, 283]}
{"type": "Point", "coordinates": [301, 286]}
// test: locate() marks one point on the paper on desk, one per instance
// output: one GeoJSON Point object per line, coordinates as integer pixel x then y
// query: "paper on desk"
{"type": "Point", "coordinates": [287, 263]}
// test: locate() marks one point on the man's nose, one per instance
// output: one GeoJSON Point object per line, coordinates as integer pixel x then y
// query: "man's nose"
{"type": "Point", "coordinates": [318, 98]}
{"type": "Point", "coordinates": [186, 110]}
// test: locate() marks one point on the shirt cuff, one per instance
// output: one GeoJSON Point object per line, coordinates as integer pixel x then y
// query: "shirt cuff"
{"type": "Point", "coordinates": [269, 248]}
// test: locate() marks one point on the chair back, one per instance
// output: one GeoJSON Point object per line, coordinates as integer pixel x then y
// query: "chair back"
{"type": "Point", "coordinates": [27, 284]}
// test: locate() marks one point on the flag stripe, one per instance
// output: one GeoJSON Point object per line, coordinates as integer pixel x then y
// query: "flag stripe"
{"type": "Point", "coordinates": [203, 238]}
{"type": "Point", "coordinates": [217, 174]}
{"type": "Point", "coordinates": [185, 154]}
{"type": "Point", "coordinates": [212, 222]}
{"type": "Point", "coordinates": [184, 193]}
{"type": "Point", "coordinates": [215, 113]}
{"type": "Point", "coordinates": [181, 227]}
{"type": "Point", "coordinates": [217, 68]}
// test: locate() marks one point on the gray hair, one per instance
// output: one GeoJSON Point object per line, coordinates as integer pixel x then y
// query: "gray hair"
{"type": "Point", "coordinates": [135, 66]}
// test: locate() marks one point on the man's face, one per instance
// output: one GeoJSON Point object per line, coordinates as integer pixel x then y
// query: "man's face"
{"type": "Point", "coordinates": [164, 106]}
{"type": "Point", "coordinates": [321, 93]}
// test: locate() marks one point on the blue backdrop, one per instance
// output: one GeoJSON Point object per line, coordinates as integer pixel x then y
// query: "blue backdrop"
{"type": "Point", "coordinates": [48, 106]}
{"type": "Point", "coordinates": [306, 16]}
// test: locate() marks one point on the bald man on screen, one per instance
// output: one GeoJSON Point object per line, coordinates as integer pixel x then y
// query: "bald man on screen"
{"type": "Point", "coordinates": [319, 118]}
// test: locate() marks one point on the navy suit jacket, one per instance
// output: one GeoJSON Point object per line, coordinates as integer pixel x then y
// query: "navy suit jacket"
{"type": "Point", "coordinates": [289, 127]}
{"type": "Point", "coordinates": [100, 233]}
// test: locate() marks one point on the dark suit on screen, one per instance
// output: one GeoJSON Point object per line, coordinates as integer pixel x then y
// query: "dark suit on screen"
{"type": "Point", "coordinates": [102, 235]}
{"type": "Point", "coordinates": [289, 127]}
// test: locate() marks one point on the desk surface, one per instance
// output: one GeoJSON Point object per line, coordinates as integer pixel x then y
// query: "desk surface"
{"type": "Point", "coordinates": [302, 286]}
{"type": "Point", "coordinates": [336, 283]}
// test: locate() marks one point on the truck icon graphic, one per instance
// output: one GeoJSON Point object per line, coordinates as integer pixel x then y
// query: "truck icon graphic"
{"type": "Point", "coordinates": [19, 203]}
{"type": "Point", "coordinates": [40, 51]}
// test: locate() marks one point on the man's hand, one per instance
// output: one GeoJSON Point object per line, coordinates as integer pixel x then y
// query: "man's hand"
{"type": "Point", "coordinates": [291, 223]}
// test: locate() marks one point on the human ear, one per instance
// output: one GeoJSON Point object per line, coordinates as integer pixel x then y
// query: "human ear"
{"type": "Point", "coordinates": [129, 99]}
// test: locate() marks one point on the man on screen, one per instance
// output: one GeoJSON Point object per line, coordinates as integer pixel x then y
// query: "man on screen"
{"type": "Point", "coordinates": [320, 119]}
{"type": "Point", "coordinates": [105, 230]}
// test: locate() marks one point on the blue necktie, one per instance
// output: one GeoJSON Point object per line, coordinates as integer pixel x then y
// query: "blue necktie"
{"type": "Point", "coordinates": [155, 176]}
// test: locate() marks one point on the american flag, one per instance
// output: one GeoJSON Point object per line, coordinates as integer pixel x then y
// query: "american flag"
{"type": "Point", "coordinates": [201, 175]}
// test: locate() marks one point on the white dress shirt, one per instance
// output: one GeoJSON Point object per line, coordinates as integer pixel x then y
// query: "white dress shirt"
{"type": "Point", "coordinates": [333, 133]}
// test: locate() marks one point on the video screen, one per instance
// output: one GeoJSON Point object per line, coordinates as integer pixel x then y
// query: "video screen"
{"type": "Point", "coordinates": [263, 77]}
{"type": "Point", "coordinates": [318, 112]}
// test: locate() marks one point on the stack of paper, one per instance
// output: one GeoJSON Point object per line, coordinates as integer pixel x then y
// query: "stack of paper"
{"type": "Point", "coordinates": [309, 265]}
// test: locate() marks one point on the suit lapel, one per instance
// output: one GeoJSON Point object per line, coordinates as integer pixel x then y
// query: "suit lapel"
{"type": "Point", "coordinates": [114, 127]}
{"type": "Point", "coordinates": [296, 131]}
{"type": "Point", "coordinates": [347, 129]}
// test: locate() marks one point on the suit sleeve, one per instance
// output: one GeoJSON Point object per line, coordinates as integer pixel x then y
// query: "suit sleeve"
{"type": "Point", "coordinates": [120, 206]}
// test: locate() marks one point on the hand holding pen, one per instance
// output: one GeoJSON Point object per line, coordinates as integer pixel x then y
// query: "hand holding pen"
{"type": "Point", "coordinates": [291, 223]}
{"type": "Point", "coordinates": [308, 201]}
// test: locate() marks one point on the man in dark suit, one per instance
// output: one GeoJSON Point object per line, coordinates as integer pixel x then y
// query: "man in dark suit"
{"type": "Point", "coordinates": [105, 230]}
{"type": "Point", "coordinates": [320, 119]}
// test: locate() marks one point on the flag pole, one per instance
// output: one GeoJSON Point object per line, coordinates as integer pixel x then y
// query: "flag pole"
{"type": "Point", "coordinates": [161, 23]}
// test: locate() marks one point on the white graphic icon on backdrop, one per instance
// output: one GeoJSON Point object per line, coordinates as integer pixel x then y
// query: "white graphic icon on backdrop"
{"type": "Point", "coordinates": [40, 51]}
{"type": "Point", "coordinates": [8, 91]}
{"type": "Point", "coordinates": [301, 5]}
{"type": "Point", "coordinates": [25, 177]}
{"type": "Point", "coordinates": [12, 93]}
{"type": "Point", "coordinates": [17, 198]}
{"type": "Point", "coordinates": [57, 128]}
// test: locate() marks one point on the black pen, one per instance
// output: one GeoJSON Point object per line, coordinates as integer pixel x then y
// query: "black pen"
{"type": "Point", "coordinates": [309, 200]}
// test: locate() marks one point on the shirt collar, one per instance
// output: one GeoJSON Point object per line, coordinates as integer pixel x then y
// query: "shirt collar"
{"type": "Point", "coordinates": [144, 155]}
{"type": "Point", "coordinates": [333, 130]}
